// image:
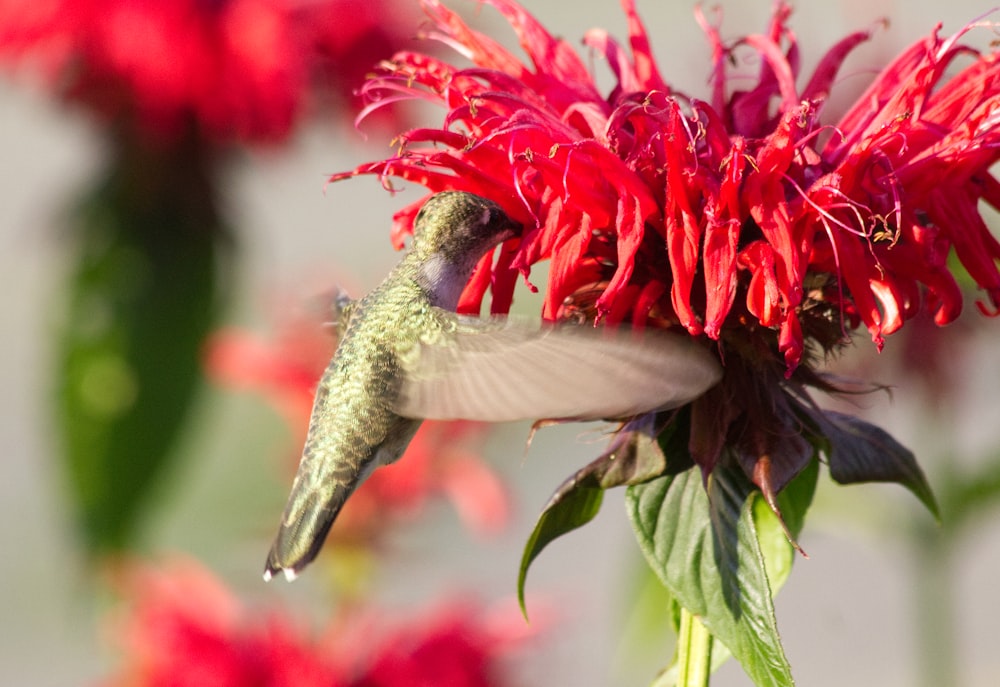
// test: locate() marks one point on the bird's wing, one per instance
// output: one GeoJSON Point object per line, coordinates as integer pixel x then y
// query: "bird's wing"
{"type": "Point", "coordinates": [499, 370]}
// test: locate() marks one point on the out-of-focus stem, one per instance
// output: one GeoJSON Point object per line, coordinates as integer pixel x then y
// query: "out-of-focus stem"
{"type": "Point", "coordinates": [934, 572]}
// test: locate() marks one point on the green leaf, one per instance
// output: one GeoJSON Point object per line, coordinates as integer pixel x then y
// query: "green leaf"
{"type": "Point", "coordinates": [567, 510]}
{"type": "Point", "coordinates": [632, 457]}
{"type": "Point", "coordinates": [778, 552]}
{"type": "Point", "coordinates": [793, 501]}
{"type": "Point", "coordinates": [861, 452]}
{"type": "Point", "coordinates": [704, 546]}
{"type": "Point", "coordinates": [142, 299]}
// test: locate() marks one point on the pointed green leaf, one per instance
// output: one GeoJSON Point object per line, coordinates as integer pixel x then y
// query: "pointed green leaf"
{"type": "Point", "coordinates": [704, 546]}
{"type": "Point", "coordinates": [632, 457]}
{"type": "Point", "coordinates": [861, 452]}
{"type": "Point", "coordinates": [572, 506]}
{"type": "Point", "coordinates": [793, 501]}
{"type": "Point", "coordinates": [778, 554]}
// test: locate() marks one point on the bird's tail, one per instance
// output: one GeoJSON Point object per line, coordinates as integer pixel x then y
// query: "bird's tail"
{"type": "Point", "coordinates": [307, 519]}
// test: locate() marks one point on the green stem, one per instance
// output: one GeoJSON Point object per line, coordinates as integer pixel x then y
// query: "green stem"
{"type": "Point", "coordinates": [141, 301]}
{"type": "Point", "coordinates": [694, 652]}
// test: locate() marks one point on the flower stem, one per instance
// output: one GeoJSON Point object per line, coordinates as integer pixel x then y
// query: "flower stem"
{"type": "Point", "coordinates": [694, 652]}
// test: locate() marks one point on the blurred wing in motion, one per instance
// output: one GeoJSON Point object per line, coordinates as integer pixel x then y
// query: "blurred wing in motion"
{"type": "Point", "coordinates": [502, 370]}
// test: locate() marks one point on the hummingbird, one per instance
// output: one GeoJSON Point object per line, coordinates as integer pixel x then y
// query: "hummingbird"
{"type": "Point", "coordinates": [405, 356]}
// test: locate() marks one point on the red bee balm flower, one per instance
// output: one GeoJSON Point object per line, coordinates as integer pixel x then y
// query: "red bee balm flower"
{"type": "Point", "coordinates": [745, 220]}
{"type": "Point", "coordinates": [715, 214]}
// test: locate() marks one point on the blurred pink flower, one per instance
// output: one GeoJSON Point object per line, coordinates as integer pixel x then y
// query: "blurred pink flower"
{"type": "Point", "coordinates": [442, 459]}
{"type": "Point", "coordinates": [180, 626]}
{"type": "Point", "coordinates": [239, 69]}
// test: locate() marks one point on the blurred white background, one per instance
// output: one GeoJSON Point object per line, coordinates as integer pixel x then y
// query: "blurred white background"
{"type": "Point", "coordinates": [846, 614]}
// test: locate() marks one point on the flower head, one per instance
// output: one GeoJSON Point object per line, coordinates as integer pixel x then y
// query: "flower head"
{"type": "Point", "coordinates": [712, 214]}
{"type": "Point", "coordinates": [239, 69]}
{"type": "Point", "coordinates": [746, 218]}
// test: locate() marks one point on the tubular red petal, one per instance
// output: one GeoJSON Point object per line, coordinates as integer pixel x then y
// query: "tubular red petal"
{"type": "Point", "coordinates": [818, 88]}
{"type": "Point", "coordinates": [647, 76]}
{"type": "Point", "coordinates": [722, 235]}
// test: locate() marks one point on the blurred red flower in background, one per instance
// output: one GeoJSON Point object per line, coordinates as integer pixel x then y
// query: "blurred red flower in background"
{"type": "Point", "coordinates": [240, 69]}
{"type": "Point", "coordinates": [179, 625]}
{"type": "Point", "coordinates": [442, 459]}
